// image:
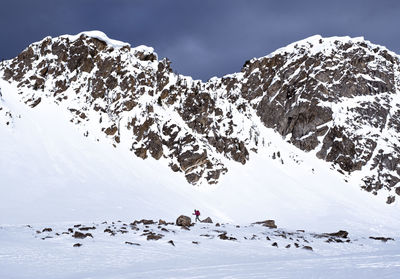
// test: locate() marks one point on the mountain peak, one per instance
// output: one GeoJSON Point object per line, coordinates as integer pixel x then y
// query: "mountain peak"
{"type": "Point", "coordinates": [99, 35]}
{"type": "Point", "coordinates": [342, 106]}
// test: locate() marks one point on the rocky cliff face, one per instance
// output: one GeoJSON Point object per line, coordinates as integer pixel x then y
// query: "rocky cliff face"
{"type": "Point", "coordinates": [336, 97]}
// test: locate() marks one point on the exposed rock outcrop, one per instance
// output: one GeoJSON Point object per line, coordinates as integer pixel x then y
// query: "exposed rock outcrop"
{"type": "Point", "coordinates": [336, 97]}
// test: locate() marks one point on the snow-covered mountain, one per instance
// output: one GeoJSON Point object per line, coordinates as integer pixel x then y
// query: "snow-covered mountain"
{"type": "Point", "coordinates": [294, 135]}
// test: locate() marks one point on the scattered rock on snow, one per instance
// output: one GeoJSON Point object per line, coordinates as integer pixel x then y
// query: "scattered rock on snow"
{"type": "Point", "coordinates": [47, 230]}
{"type": "Point", "coordinates": [171, 242]}
{"type": "Point", "coordinates": [341, 234]}
{"type": "Point", "coordinates": [87, 228]}
{"type": "Point", "coordinates": [153, 236]}
{"type": "Point", "coordinates": [144, 222]}
{"type": "Point", "coordinates": [383, 239]}
{"type": "Point", "coordinates": [82, 235]}
{"type": "Point", "coordinates": [223, 236]}
{"type": "Point", "coordinates": [108, 230]}
{"type": "Point", "coordinates": [308, 248]}
{"type": "Point", "coordinates": [207, 220]}
{"type": "Point", "coordinates": [77, 245]}
{"type": "Point", "coordinates": [184, 221]}
{"type": "Point", "coordinates": [132, 243]}
{"type": "Point", "coordinates": [267, 223]}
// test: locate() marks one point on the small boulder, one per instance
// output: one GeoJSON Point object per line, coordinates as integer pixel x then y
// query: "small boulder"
{"type": "Point", "coordinates": [81, 235]}
{"type": "Point", "coordinates": [162, 222]}
{"type": "Point", "coordinates": [184, 221]}
{"type": "Point", "coordinates": [47, 230]}
{"type": "Point", "coordinates": [171, 242]}
{"type": "Point", "coordinates": [153, 236]}
{"type": "Point", "coordinates": [77, 245]}
{"type": "Point", "coordinates": [267, 223]}
{"type": "Point", "coordinates": [223, 236]}
{"type": "Point", "coordinates": [341, 234]}
{"type": "Point", "coordinates": [207, 220]}
{"type": "Point", "coordinates": [308, 248]}
{"type": "Point", "coordinates": [144, 222]}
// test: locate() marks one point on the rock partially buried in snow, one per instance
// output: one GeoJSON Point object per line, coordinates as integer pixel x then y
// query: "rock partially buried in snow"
{"type": "Point", "coordinates": [207, 220]}
{"type": "Point", "coordinates": [383, 239]}
{"type": "Point", "coordinates": [184, 221]}
{"type": "Point", "coordinates": [81, 235]}
{"type": "Point", "coordinates": [308, 248]}
{"type": "Point", "coordinates": [267, 223]}
{"type": "Point", "coordinates": [341, 234]}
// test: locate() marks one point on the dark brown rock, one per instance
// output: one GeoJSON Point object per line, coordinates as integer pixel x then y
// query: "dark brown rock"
{"type": "Point", "coordinates": [207, 220]}
{"type": "Point", "coordinates": [341, 234]}
{"type": "Point", "coordinates": [81, 235]}
{"type": "Point", "coordinates": [383, 239]}
{"type": "Point", "coordinates": [223, 236]}
{"type": "Point", "coordinates": [184, 221]}
{"type": "Point", "coordinates": [267, 223]}
{"type": "Point", "coordinates": [153, 236]}
{"type": "Point", "coordinates": [308, 248]}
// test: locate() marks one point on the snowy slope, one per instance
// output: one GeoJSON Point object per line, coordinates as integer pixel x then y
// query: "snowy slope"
{"type": "Point", "coordinates": [52, 173]}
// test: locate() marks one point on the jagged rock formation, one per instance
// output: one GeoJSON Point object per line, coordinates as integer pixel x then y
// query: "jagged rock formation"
{"type": "Point", "coordinates": [336, 97]}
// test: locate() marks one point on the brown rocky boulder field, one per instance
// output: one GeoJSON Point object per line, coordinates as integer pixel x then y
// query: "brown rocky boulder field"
{"type": "Point", "coordinates": [337, 98]}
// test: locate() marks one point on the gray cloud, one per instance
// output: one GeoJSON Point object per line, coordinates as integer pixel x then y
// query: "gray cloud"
{"type": "Point", "coordinates": [201, 38]}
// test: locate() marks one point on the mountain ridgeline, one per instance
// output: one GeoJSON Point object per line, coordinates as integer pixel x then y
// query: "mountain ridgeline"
{"type": "Point", "coordinates": [336, 97]}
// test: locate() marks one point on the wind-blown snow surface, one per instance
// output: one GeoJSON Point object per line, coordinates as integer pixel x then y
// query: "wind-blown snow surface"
{"type": "Point", "coordinates": [50, 173]}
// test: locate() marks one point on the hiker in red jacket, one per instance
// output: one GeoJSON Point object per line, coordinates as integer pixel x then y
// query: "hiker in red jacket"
{"type": "Point", "coordinates": [197, 214]}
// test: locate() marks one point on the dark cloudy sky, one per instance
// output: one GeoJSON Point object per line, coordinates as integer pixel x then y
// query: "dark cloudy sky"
{"type": "Point", "coordinates": [202, 38]}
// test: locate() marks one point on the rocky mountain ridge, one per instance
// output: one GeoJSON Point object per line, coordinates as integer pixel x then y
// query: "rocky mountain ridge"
{"type": "Point", "coordinates": [336, 97]}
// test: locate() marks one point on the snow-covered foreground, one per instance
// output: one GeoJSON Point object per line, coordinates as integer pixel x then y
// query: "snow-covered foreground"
{"type": "Point", "coordinates": [24, 254]}
{"type": "Point", "coordinates": [51, 174]}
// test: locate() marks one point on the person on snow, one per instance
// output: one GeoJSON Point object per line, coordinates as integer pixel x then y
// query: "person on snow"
{"type": "Point", "coordinates": [197, 214]}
